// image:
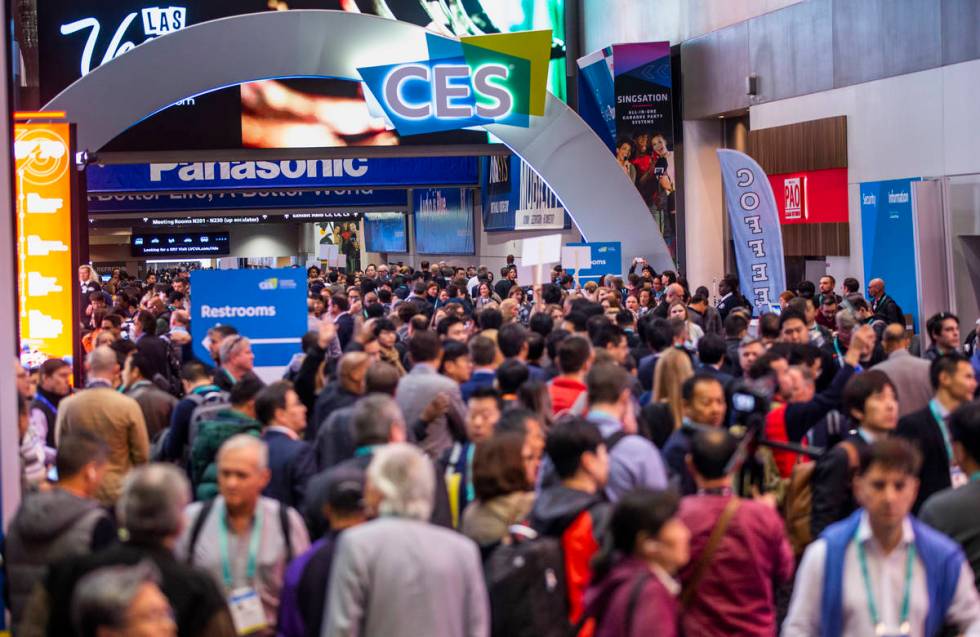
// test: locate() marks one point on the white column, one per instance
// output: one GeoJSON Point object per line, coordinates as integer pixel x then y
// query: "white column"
{"type": "Point", "coordinates": [703, 204]}
{"type": "Point", "coordinates": [9, 443]}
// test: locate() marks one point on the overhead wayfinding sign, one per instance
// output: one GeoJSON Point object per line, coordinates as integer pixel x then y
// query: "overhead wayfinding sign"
{"type": "Point", "coordinates": [45, 273]}
{"type": "Point", "coordinates": [284, 174]}
{"type": "Point", "coordinates": [487, 79]}
{"type": "Point", "coordinates": [267, 306]}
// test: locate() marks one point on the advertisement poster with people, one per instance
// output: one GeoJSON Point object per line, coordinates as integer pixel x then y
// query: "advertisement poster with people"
{"type": "Point", "coordinates": [644, 128]}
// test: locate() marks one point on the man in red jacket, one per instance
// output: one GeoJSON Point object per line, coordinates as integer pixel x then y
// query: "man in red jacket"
{"type": "Point", "coordinates": [574, 360]}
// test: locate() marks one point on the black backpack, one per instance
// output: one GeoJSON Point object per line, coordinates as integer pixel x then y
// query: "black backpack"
{"type": "Point", "coordinates": [526, 584]}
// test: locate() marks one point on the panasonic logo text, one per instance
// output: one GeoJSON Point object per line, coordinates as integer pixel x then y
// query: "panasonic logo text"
{"type": "Point", "coordinates": [254, 170]}
{"type": "Point", "coordinates": [238, 311]}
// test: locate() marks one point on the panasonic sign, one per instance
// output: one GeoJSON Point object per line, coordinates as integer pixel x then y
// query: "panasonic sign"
{"type": "Point", "coordinates": [252, 170]}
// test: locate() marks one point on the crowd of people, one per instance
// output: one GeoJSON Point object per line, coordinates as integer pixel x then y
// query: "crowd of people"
{"type": "Point", "coordinates": [454, 454]}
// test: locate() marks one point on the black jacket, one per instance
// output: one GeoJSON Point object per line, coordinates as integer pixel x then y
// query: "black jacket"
{"type": "Point", "coordinates": [199, 607]}
{"type": "Point", "coordinates": [833, 498]}
{"type": "Point", "coordinates": [921, 428]}
{"type": "Point", "coordinates": [333, 397]}
{"type": "Point", "coordinates": [345, 330]}
{"type": "Point", "coordinates": [887, 310]}
{"type": "Point", "coordinates": [157, 352]}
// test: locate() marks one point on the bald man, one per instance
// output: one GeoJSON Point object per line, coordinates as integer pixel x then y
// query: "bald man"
{"type": "Point", "coordinates": [673, 293]}
{"type": "Point", "coordinates": [884, 307]}
{"type": "Point", "coordinates": [908, 373]}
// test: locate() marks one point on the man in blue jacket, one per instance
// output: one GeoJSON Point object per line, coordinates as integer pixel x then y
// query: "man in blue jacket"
{"type": "Point", "coordinates": [880, 571]}
{"type": "Point", "coordinates": [291, 459]}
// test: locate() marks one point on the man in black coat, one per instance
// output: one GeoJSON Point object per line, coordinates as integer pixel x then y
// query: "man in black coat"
{"type": "Point", "coordinates": [869, 398]}
{"type": "Point", "coordinates": [730, 296]}
{"type": "Point", "coordinates": [953, 380]}
{"type": "Point", "coordinates": [152, 347]}
{"type": "Point", "coordinates": [340, 315]}
{"type": "Point", "coordinates": [884, 307]}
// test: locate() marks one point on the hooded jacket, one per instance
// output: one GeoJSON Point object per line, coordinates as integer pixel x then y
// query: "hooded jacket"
{"type": "Point", "coordinates": [488, 522]}
{"type": "Point", "coordinates": [608, 600]}
{"type": "Point", "coordinates": [579, 520]}
{"type": "Point", "coordinates": [47, 527]}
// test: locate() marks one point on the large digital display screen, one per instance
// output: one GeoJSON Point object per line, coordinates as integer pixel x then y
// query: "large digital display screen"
{"type": "Point", "coordinates": [77, 36]}
{"type": "Point", "coordinates": [182, 244]}
{"type": "Point", "coordinates": [385, 232]}
{"type": "Point", "coordinates": [443, 219]}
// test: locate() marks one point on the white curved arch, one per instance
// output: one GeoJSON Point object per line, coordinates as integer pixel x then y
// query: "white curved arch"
{"type": "Point", "coordinates": [205, 57]}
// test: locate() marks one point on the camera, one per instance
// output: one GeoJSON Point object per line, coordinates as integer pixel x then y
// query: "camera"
{"type": "Point", "coordinates": [750, 405]}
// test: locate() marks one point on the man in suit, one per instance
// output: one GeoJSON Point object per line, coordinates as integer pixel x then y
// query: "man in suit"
{"type": "Point", "coordinates": [378, 561]}
{"type": "Point", "coordinates": [730, 297]}
{"type": "Point", "coordinates": [908, 373]}
{"type": "Point", "coordinates": [340, 315]}
{"type": "Point", "coordinates": [420, 386]}
{"type": "Point", "coordinates": [954, 382]}
{"type": "Point", "coordinates": [113, 417]}
{"type": "Point", "coordinates": [291, 459]}
{"type": "Point", "coordinates": [155, 349]}
{"type": "Point", "coordinates": [483, 353]}
{"type": "Point", "coordinates": [884, 307]}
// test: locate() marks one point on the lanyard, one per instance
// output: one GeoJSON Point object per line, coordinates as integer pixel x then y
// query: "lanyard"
{"type": "Point", "coordinates": [943, 429]}
{"type": "Point", "coordinates": [903, 620]}
{"type": "Point", "coordinates": [366, 450]}
{"type": "Point", "coordinates": [40, 398]}
{"type": "Point", "coordinates": [840, 357]}
{"type": "Point", "coordinates": [253, 545]}
{"type": "Point", "coordinates": [470, 489]}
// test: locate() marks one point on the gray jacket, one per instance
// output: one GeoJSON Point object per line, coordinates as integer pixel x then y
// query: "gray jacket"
{"type": "Point", "coordinates": [395, 577]}
{"type": "Point", "coordinates": [415, 391]}
{"type": "Point", "coordinates": [47, 527]}
{"type": "Point", "coordinates": [910, 375]}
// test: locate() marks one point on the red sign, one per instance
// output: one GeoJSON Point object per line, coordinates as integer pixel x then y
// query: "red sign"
{"type": "Point", "coordinates": [817, 196]}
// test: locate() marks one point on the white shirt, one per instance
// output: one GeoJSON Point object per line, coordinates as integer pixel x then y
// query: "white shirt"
{"type": "Point", "coordinates": [887, 575]}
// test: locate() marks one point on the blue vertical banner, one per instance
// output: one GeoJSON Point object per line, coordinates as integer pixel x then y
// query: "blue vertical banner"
{"type": "Point", "coordinates": [888, 241]}
{"type": "Point", "coordinates": [754, 220]}
{"type": "Point", "coordinates": [267, 306]}
{"type": "Point", "coordinates": [597, 94]}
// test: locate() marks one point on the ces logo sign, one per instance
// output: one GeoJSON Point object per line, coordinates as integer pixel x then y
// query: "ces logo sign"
{"type": "Point", "coordinates": [491, 79]}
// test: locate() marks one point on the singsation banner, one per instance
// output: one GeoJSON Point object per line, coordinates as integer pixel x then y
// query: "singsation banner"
{"type": "Point", "coordinates": [754, 220]}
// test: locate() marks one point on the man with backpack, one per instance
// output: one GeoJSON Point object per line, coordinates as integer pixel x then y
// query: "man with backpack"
{"type": "Point", "coordinates": [243, 540]}
{"type": "Point", "coordinates": [198, 391]}
{"type": "Point", "coordinates": [238, 417]}
{"type": "Point", "coordinates": [574, 510]}
{"type": "Point", "coordinates": [633, 460]}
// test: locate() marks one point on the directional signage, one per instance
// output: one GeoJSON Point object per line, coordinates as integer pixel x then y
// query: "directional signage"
{"type": "Point", "coordinates": [45, 274]}
{"type": "Point", "coordinates": [267, 306]}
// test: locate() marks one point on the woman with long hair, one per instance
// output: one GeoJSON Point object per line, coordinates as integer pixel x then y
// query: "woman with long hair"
{"type": "Point", "coordinates": [503, 494]}
{"type": "Point", "coordinates": [633, 591]}
{"type": "Point", "coordinates": [484, 296]}
{"type": "Point", "coordinates": [694, 332]}
{"type": "Point", "coordinates": [673, 368]}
